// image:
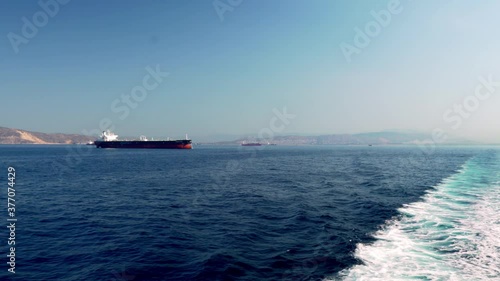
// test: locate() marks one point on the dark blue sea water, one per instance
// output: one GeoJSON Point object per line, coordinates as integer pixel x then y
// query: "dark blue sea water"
{"type": "Point", "coordinates": [243, 213]}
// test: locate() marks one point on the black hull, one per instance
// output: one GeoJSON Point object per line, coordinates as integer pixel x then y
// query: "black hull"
{"type": "Point", "coordinates": [251, 144]}
{"type": "Point", "coordinates": [175, 144]}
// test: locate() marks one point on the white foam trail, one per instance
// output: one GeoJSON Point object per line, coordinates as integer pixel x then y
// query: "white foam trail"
{"type": "Point", "coordinates": [452, 234]}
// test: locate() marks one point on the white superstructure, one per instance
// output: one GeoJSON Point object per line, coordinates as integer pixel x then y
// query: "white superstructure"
{"type": "Point", "coordinates": [108, 136]}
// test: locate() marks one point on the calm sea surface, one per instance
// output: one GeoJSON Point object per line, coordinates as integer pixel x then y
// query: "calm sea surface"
{"type": "Point", "coordinates": [246, 213]}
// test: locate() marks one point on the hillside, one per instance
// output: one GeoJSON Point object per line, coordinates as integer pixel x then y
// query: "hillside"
{"type": "Point", "coordinates": [17, 136]}
{"type": "Point", "coordinates": [377, 138]}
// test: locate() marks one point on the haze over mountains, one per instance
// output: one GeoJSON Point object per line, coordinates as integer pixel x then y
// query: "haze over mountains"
{"type": "Point", "coordinates": [376, 138]}
{"type": "Point", "coordinates": [18, 136]}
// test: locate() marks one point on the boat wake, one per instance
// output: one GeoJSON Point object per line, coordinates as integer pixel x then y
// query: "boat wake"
{"type": "Point", "coordinates": [452, 234]}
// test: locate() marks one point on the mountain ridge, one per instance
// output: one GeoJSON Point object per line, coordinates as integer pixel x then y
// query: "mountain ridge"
{"type": "Point", "coordinates": [372, 138]}
{"type": "Point", "coordinates": [18, 136]}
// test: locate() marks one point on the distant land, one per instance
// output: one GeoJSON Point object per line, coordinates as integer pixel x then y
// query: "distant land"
{"type": "Point", "coordinates": [18, 136]}
{"type": "Point", "coordinates": [376, 138]}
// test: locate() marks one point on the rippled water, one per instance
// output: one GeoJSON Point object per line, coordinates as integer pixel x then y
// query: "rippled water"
{"type": "Point", "coordinates": [452, 234]}
{"type": "Point", "coordinates": [243, 213]}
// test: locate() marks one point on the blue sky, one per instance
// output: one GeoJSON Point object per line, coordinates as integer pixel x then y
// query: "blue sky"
{"type": "Point", "coordinates": [226, 76]}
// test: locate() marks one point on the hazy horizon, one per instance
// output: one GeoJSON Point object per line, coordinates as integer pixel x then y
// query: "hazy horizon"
{"type": "Point", "coordinates": [251, 67]}
{"type": "Point", "coordinates": [417, 137]}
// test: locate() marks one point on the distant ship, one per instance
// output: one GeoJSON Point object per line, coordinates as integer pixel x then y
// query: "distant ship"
{"type": "Point", "coordinates": [251, 144]}
{"type": "Point", "coordinates": [110, 140]}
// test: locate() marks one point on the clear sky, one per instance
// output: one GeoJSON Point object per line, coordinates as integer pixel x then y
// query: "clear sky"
{"type": "Point", "coordinates": [229, 69]}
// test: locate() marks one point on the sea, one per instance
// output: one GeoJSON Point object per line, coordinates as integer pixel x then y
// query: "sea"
{"type": "Point", "coordinates": [252, 213]}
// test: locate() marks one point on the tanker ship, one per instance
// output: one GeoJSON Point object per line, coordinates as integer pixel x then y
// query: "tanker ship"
{"type": "Point", "coordinates": [251, 144]}
{"type": "Point", "coordinates": [110, 140]}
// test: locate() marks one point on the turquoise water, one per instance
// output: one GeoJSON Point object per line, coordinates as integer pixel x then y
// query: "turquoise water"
{"type": "Point", "coordinates": [239, 213]}
{"type": "Point", "coordinates": [453, 233]}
